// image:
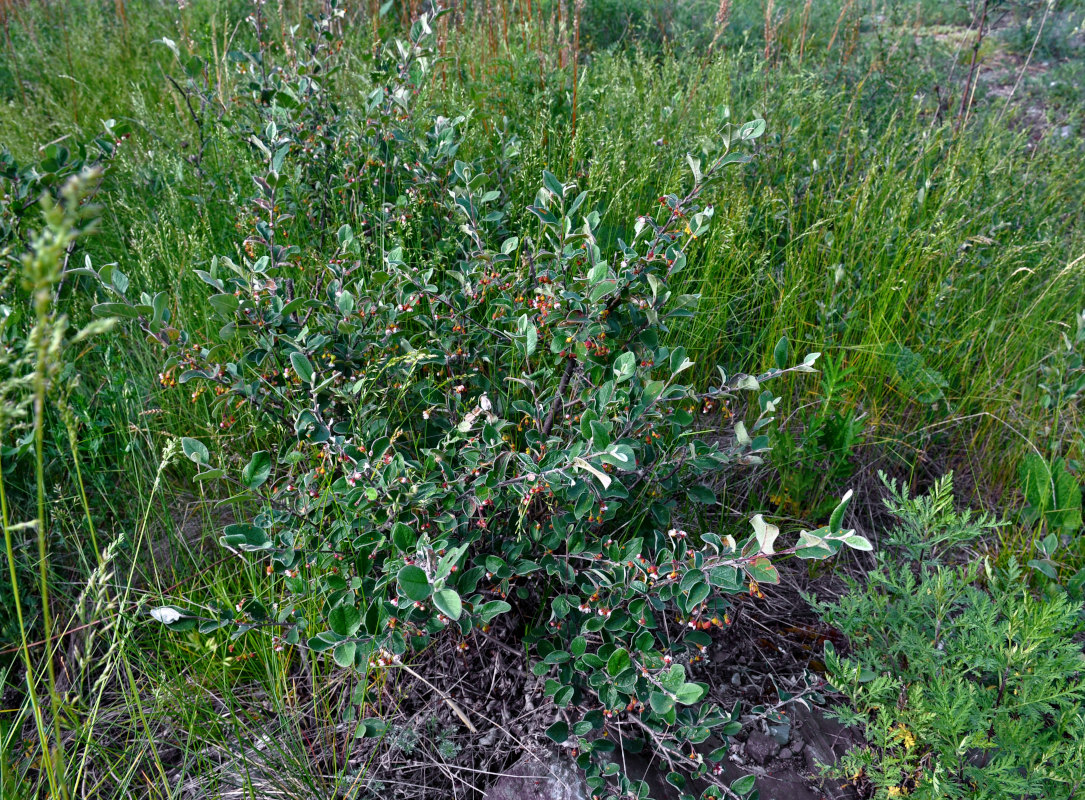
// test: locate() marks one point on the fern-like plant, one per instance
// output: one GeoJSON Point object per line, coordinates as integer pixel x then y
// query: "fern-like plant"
{"type": "Point", "coordinates": [963, 682]}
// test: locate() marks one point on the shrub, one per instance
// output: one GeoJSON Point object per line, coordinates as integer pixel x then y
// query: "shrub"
{"type": "Point", "coordinates": [963, 682]}
{"type": "Point", "coordinates": [489, 426]}
{"type": "Point", "coordinates": [22, 184]}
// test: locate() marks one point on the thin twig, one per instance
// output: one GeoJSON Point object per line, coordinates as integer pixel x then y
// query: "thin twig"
{"type": "Point", "coordinates": [548, 423]}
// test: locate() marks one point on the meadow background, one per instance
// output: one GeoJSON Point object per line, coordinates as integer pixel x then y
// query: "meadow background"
{"type": "Point", "coordinates": [914, 212]}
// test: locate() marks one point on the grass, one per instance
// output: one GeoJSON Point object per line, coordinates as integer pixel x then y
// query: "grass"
{"type": "Point", "coordinates": [939, 264]}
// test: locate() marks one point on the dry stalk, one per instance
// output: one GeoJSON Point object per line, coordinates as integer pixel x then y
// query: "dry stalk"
{"type": "Point", "coordinates": [578, 8]}
{"type": "Point", "coordinates": [723, 15]}
{"type": "Point", "coordinates": [448, 700]}
{"type": "Point", "coordinates": [770, 29]}
{"type": "Point", "coordinates": [839, 21]}
{"type": "Point", "coordinates": [970, 83]}
{"type": "Point", "coordinates": [805, 27]}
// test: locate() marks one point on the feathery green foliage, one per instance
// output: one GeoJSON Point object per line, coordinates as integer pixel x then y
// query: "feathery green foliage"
{"type": "Point", "coordinates": [962, 680]}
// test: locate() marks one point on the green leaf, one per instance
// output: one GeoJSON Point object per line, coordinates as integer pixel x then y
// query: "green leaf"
{"type": "Point", "coordinates": [556, 657]}
{"type": "Point", "coordinates": [812, 546]}
{"type": "Point", "coordinates": [114, 310]}
{"type": "Point", "coordinates": [742, 436]}
{"type": "Point", "coordinates": [532, 339]}
{"type": "Point", "coordinates": [624, 365]}
{"type": "Point", "coordinates": [857, 542]}
{"type": "Point", "coordinates": [652, 390]}
{"type": "Point", "coordinates": [700, 493]}
{"type": "Point", "coordinates": [1035, 477]}
{"type": "Point", "coordinates": [762, 571]}
{"type": "Point", "coordinates": [448, 603]}
{"type": "Point", "coordinates": [695, 167]}
{"type": "Point", "coordinates": [558, 732]}
{"type": "Point", "coordinates": [744, 785]}
{"type": "Point", "coordinates": [725, 577]}
{"type": "Point", "coordinates": [660, 702]}
{"type": "Point", "coordinates": [404, 537]}
{"type": "Point", "coordinates": [600, 439]}
{"type": "Point", "coordinates": [620, 456]}
{"type": "Point", "coordinates": [747, 383]}
{"type": "Point", "coordinates": [413, 583]}
{"type": "Point", "coordinates": [600, 290]}
{"type": "Point", "coordinates": [1066, 508]}
{"type": "Point", "coordinates": [345, 619]}
{"type": "Point", "coordinates": [766, 534]}
{"type": "Point", "coordinates": [836, 521]}
{"type": "Point", "coordinates": [698, 594]}
{"type": "Point", "coordinates": [1045, 566]}
{"type": "Point", "coordinates": [780, 353]}
{"type": "Point", "coordinates": [491, 609]}
{"type": "Point", "coordinates": [690, 693]}
{"type": "Point", "coordinates": [195, 450]}
{"type": "Point", "coordinates": [371, 729]}
{"type": "Point", "coordinates": [302, 367]}
{"type": "Point", "coordinates": [618, 662]}
{"type": "Point", "coordinates": [344, 654]}
{"type": "Point", "coordinates": [752, 129]}
{"type": "Point", "coordinates": [225, 305]}
{"type": "Point", "coordinates": [673, 679]}
{"type": "Point", "coordinates": [258, 469]}
{"type": "Point", "coordinates": [246, 536]}
{"type": "Point", "coordinates": [325, 640]}
{"type": "Point", "coordinates": [551, 182]}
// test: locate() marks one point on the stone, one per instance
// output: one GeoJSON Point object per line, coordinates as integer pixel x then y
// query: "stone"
{"type": "Point", "coordinates": [826, 739]}
{"type": "Point", "coordinates": [760, 748]}
{"type": "Point", "coordinates": [540, 776]}
{"type": "Point", "coordinates": [785, 754]}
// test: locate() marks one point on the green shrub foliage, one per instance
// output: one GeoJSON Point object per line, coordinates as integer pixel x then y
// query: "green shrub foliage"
{"type": "Point", "coordinates": [964, 683]}
{"type": "Point", "coordinates": [487, 425]}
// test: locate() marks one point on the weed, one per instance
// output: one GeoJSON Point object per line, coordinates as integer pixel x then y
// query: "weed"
{"type": "Point", "coordinates": [963, 682]}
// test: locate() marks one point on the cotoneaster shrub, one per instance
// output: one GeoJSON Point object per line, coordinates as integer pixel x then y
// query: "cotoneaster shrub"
{"type": "Point", "coordinates": [487, 425]}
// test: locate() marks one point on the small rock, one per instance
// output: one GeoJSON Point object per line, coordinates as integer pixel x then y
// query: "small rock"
{"type": "Point", "coordinates": [785, 754]}
{"type": "Point", "coordinates": [826, 739]}
{"type": "Point", "coordinates": [736, 679]}
{"type": "Point", "coordinates": [760, 747]}
{"type": "Point", "coordinates": [541, 777]}
{"type": "Point", "coordinates": [815, 759]}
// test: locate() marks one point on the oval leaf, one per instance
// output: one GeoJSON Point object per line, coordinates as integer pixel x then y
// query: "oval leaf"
{"type": "Point", "coordinates": [345, 620]}
{"type": "Point", "coordinates": [448, 603]}
{"type": "Point", "coordinates": [195, 450]}
{"type": "Point", "coordinates": [413, 583]}
{"type": "Point", "coordinates": [302, 367]}
{"type": "Point", "coordinates": [258, 469]}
